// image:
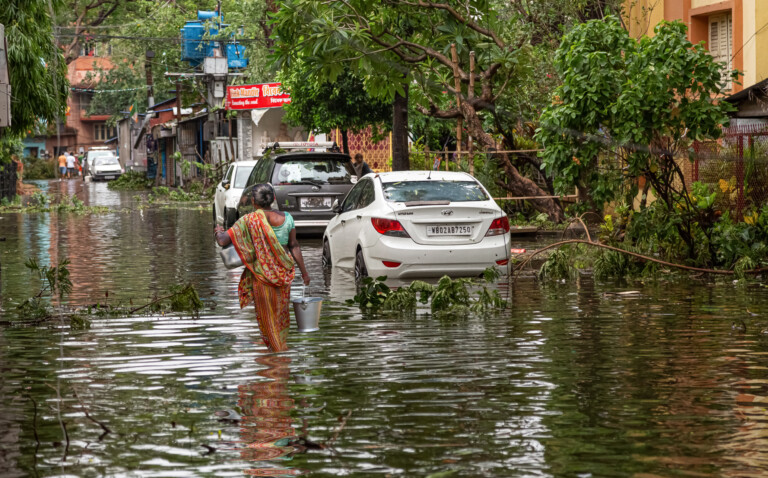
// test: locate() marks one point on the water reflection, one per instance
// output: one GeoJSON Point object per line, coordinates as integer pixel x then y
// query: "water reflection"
{"type": "Point", "coordinates": [267, 430]}
{"type": "Point", "coordinates": [577, 379]}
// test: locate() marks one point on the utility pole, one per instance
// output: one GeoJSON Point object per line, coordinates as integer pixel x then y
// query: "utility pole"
{"type": "Point", "coordinates": [178, 127]}
{"type": "Point", "coordinates": [148, 71]}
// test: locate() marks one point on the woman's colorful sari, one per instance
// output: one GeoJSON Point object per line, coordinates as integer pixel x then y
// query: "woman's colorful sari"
{"type": "Point", "coordinates": [266, 280]}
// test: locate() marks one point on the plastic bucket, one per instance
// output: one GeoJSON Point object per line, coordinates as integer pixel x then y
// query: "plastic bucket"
{"type": "Point", "coordinates": [307, 312]}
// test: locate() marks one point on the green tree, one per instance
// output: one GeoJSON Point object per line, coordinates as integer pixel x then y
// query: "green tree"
{"type": "Point", "coordinates": [403, 50]}
{"type": "Point", "coordinates": [633, 107]}
{"type": "Point", "coordinates": [37, 69]}
{"type": "Point", "coordinates": [326, 105]}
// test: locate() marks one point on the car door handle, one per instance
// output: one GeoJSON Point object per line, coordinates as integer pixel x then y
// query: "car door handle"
{"type": "Point", "coordinates": [343, 221]}
{"type": "Point", "coordinates": [359, 217]}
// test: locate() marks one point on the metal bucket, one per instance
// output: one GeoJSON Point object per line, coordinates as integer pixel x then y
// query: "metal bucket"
{"type": "Point", "coordinates": [230, 257]}
{"type": "Point", "coordinates": [307, 312]}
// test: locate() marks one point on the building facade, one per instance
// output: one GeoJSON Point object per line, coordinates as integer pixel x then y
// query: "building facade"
{"type": "Point", "coordinates": [734, 31]}
{"type": "Point", "coordinates": [78, 130]}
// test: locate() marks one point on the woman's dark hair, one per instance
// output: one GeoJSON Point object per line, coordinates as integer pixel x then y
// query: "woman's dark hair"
{"type": "Point", "coordinates": [263, 195]}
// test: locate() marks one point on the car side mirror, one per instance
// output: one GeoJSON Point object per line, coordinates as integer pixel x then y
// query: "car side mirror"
{"type": "Point", "coordinates": [336, 207]}
{"type": "Point", "coordinates": [225, 183]}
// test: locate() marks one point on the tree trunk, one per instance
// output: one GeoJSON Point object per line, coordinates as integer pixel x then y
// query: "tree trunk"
{"type": "Point", "coordinates": [515, 182]}
{"type": "Point", "coordinates": [345, 141]}
{"type": "Point", "coordinates": [400, 132]}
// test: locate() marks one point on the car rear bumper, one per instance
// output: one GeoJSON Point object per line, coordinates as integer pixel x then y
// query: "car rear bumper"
{"type": "Point", "coordinates": [418, 260]}
{"type": "Point", "coordinates": [100, 176]}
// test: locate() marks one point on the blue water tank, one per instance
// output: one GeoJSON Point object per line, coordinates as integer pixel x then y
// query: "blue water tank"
{"type": "Point", "coordinates": [204, 15]}
{"type": "Point", "coordinates": [236, 56]}
{"type": "Point", "coordinates": [193, 48]}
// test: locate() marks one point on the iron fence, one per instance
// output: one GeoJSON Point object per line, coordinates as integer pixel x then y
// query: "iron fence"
{"type": "Point", "coordinates": [736, 168]}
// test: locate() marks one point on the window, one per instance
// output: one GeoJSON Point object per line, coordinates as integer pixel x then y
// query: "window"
{"type": "Point", "coordinates": [106, 161]}
{"type": "Point", "coordinates": [350, 202]}
{"type": "Point", "coordinates": [367, 195]}
{"type": "Point", "coordinates": [317, 171]}
{"type": "Point", "coordinates": [228, 173]}
{"type": "Point", "coordinates": [412, 191]}
{"type": "Point", "coordinates": [241, 176]}
{"type": "Point", "coordinates": [720, 40]}
{"type": "Point", "coordinates": [102, 132]}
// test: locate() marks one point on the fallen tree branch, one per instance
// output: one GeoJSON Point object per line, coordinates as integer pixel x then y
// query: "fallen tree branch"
{"type": "Point", "coordinates": [106, 429]}
{"type": "Point", "coordinates": [638, 256]}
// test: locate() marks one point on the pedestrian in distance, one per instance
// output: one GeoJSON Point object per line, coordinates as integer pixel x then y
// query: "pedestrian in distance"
{"type": "Point", "coordinates": [70, 165]}
{"type": "Point", "coordinates": [266, 242]}
{"type": "Point", "coordinates": [62, 165]}
{"type": "Point", "coordinates": [361, 167]}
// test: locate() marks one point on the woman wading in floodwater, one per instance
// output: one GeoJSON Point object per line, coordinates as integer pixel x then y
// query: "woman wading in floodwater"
{"type": "Point", "coordinates": [261, 239]}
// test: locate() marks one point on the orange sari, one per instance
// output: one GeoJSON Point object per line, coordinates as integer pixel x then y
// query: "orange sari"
{"type": "Point", "coordinates": [266, 280]}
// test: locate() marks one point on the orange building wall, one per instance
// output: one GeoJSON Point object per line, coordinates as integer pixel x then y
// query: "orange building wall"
{"type": "Point", "coordinates": [643, 15]}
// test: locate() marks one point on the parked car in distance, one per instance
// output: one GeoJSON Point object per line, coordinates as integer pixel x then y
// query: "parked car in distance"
{"type": "Point", "coordinates": [228, 192]}
{"type": "Point", "coordinates": [105, 168]}
{"type": "Point", "coordinates": [306, 183]}
{"type": "Point", "coordinates": [408, 224]}
{"type": "Point", "coordinates": [92, 154]}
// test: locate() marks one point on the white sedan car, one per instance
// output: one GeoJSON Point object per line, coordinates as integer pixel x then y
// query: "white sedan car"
{"type": "Point", "coordinates": [105, 167]}
{"type": "Point", "coordinates": [228, 192]}
{"type": "Point", "coordinates": [417, 224]}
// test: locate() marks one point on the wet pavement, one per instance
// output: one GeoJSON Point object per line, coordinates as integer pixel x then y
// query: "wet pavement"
{"type": "Point", "coordinates": [577, 379]}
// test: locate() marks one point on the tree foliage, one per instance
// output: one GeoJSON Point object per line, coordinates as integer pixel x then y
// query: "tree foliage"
{"type": "Point", "coordinates": [633, 107]}
{"type": "Point", "coordinates": [403, 45]}
{"type": "Point", "coordinates": [137, 26]}
{"type": "Point", "coordinates": [325, 105]}
{"type": "Point", "coordinates": [35, 65]}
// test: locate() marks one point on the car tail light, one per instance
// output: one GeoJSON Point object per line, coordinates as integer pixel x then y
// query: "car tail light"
{"type": "Point", "coordinates": [388, 227]}
{"type": "Point", "coordinates": [391, 263]}
{"type": "Point", "coordinates": [498, 227]}
{"type": "Point", "coordinates": [502, 262]}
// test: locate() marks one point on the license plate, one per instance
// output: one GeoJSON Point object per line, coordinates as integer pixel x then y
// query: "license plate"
{"type": "Point", "coordinates": [109, 177]}
{"type": "Point", "coordinates": [445, 230]}
{"type": "Point", "coordinates": [315, 202]}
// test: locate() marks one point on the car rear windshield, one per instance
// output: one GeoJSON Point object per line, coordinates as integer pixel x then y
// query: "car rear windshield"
{"type": "Point", "coordinates": [241, 176]}
{"type": "Point", "coordinates": [454, 191]}
{"type": "Point", "coordinates": [105, 161]}
{"type": "Point", "coordinates": [312, 171]}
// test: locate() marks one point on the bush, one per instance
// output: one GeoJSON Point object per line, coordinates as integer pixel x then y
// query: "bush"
{"type": "Point", "coordinates": [38, 168]}
{"type": "Point", "coordinates": [131, 181]}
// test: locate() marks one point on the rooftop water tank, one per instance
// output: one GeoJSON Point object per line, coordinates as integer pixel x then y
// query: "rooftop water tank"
{"type": "Point", "coordinates": [204, 15]}
{"type": "Point", "coordinates": [192, 47]}
{"type": "Point", "coordinates": [236, 56]}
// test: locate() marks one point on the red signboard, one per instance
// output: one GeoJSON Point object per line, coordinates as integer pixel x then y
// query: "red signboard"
{"type": "Point", "coordinates": [251, 97]}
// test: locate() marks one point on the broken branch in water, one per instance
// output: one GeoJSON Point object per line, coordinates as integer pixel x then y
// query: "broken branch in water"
{"type": "Point", "coordinates": [107, 431]}
{"type": "Point", "coordinates": [343, 420]}
{"type": "Point", "coordinates": [639, 256]}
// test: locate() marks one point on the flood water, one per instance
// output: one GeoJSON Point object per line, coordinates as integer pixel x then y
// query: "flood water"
{"type": "Point", "coordinates": [578, 379]}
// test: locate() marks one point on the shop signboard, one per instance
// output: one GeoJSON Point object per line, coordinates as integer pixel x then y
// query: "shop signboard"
{"type": "Point", "coordinates": [251, 97]}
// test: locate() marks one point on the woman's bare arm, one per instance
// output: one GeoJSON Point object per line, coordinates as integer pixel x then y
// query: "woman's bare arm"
{"type": "Point", "coordinates": [295, 251]}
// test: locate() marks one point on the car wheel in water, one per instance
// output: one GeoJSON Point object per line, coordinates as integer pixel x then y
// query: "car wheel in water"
{"type": "Point", "coordinates": [361, 272]}
{"type": "Point", "coordinates": [326, 254]}
{"type": "Point", "coordinates": [230, 217]}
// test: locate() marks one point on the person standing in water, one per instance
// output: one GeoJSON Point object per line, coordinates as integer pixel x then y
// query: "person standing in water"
{"type": "Point", "coordinates": [261, 239]}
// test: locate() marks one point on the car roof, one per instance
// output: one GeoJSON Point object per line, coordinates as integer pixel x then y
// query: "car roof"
{"type": "Point", "coordinates": [396, 176]}
{"type": "Point", "coordinates": [319, 155]}
{"type": "Point", "coordinates": [245, 163]}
